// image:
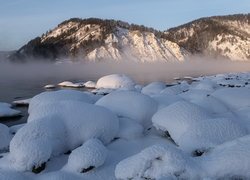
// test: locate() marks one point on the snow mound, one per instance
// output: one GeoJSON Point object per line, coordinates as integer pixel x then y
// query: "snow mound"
{"type": "Point", "coordinates": [211, 104]}
{"type": "Point", "coordinates": [165, 99]}
{"type": "Point", "coordinates": [36, 142]}
{"type": "Point", "coordinates": [155, 162]}
{"type": "Point", "coordinates": [23, 102]}
{"type": "Point", "coordinates": [115, 81]}
{"type": "Point", "coordinates": [153, 88]}
{"type": "Point", "coordinates": [58, 127]}
{"type": "Point", "coordinates": [130, 104]}
{"type": "Point", "coordinates": [178, 118]}
{"type": "Point", "coordinates": [5, 137]}
{"type": "Point", "coordinates": [129, 129]}
{"type": "Point", "coordinates": [228, 160]}
{"type": "Point", "coordinates": [15, 128]}
{"type": "Point", "coordinates": [89, 84]}
{"type": "Point", "coordinates": [91, 154]}
{"type": "Point", "coordinates": [71, 84]}
{"type": "Point", "coordinates": [207, 85]}
{"type": "Point", "coordinates": [61, 95]}
{"type": "Point", "coordinates": [7, 111]}
{"type": "Point", "coordinates": [176, 89]}
{"type": "Point", "coordinates": [206, 134]}
{"type": "Point", "coordinates": [234, 97]}
{"type": "Point", "coordinates": [50, 86]}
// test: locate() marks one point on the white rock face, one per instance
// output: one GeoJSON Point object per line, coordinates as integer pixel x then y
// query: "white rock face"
{"type": "Point", "coordinates": [91, 154]}
{"type": "Point", "coordinates": [115, 81]}
{"type": "Point", "coordinates": [129, 104]}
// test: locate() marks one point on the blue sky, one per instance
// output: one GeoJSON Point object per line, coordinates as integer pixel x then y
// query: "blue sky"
{"type": "Point", "coordinates": [22, 20]}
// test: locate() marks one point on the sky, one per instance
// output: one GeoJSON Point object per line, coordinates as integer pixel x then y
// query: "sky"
{"type": "Point", "coordinates": [23, 20]}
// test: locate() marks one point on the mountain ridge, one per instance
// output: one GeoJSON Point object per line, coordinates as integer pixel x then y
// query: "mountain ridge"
{"type": "Point", "coordinates": [96, 39]}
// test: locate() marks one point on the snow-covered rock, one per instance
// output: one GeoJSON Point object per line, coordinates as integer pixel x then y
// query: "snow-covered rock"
{"type": "Point", "coordinates": [115, 81]}
{"type": "Point", "coordinates": [91, 154]}
{"type": "Point", "coordinates": [89, 84]}
{"type": "Point", "coordinates": [71, 84]}
{"type": "Point", "coordinates": [230, 160]}
{"type": "Point", "coordinates": [50, 86]}
{"type": "Point", "coordinates": [207, 134]}
{"type": "Point", "coordinates": [61, 95]}
{"type": "Point", "coordinates": [23, 102]}
{"type": "Point", "coordinates": [130, 104]}
{"type": "Point", "coordinates": [234, 97]}
{"type": "Point", "coordinates": [129, 129]}
{"type": "Point", "coordinates": [178, 118]}
{"type": "Point", "coordinates": [7, 111]}
{"type": "Point", "coordinates": [5, 137]}
{"type": "Point", "coordinates": [55, 128]}
{"type": "Point", "coordinates": [165, 99]}
{"type": "Point", "coordinates": [157, 162]}
{"type": "Point", "coordinates": [153, 88]}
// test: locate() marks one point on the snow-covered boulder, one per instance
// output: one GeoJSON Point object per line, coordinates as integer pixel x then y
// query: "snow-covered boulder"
{"type": "Point", "coordinates": [15, 128]}
{"type": "Point", "coordinates": [234, 97]}
{"type": "Point", "coordinates": [89, 84]}
{"type": "Point", "coordinates": [207, 134]}
{"type": "Point", "coordinates": [211, 104]}
{"type": "Point", "coordinates": [165, 99]}
{"type": "Point", "coordinates": [178, 118]}
{"type": "Point", "coordinates": [153, 88]}
{"type": "Point", "coordinates": [58, 127]}
{"type": "Point", "coordinates": [115, 81]}
{"type": "Point", "coordinates": [207, 85]}
{"type": "Point", "coordinates": [129, 129]}
{"type": "Point", "coordinates": [90, 155]}
{"type": "Point", "coordinates": [50, 86]}
{"type": "Point", "coordinates": [61, 95]}
{"type": "Point", "coordinates": [156, 162]}
{"type": "Point", "coordinates": [5, 137]}
{"type": "Point", "coordinates": [130, 104]}
{"type": "Point", "coordinates": [230, 160]}
{"type": "Point", "coordinates": [7, 111]}
{"type": "Point", "coordinates": [22, 102]}
{"type": "Point", "coordinates": [71, 84]}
